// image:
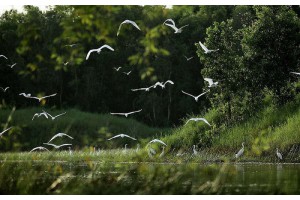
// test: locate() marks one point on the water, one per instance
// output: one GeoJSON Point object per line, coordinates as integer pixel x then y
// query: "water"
{"type": "Point", "coordinates": [150, 178]}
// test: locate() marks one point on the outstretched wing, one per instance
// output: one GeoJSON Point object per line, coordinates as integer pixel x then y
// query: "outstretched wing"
{"type": "Point", "coordinates": [3, 56]}
{"type": "Point", "coordinates": [129, 136]}
{"type": "Point", "coordinates": [172, 26]}
{"type": "Point", "coordinates": [114, 137]}
{"type": "Point", "coordinates": [5, 131]}
{"type": "Point", "coordinates": [202, 119]}
{"type": "Point", "coordinates": [203, 47]}
{"type": "Point", "coordinates": [189, 120]}
{"type": "Point", "coordinates": [60, 114]}
{"type": "Point", "coordinates": [89, 53]}
{"type": "Point", "coordinates": [187, 93]}
{"type": "Point", "coordinates": [107, 46]}
{"type": "Point", "coordinates": [297, 73]}
{"type": "Point", "coordinates": [134, 111]}
{"type": "Point", "coordinates": [158, 84]}
{"type": "Point", "coordinates": [209, 80]}
{"type": "Point", "coordinates": [133, 23]}
{"type": "Point", "coordinates": [169, 20]}
{"type": "Point", "coordinates": [183, 26]}
{"type": "Point", "coordinates": [40, 148]}
{"type": "Point", "coordinates": [202, 94]}
{"type": "Point", "coordinates": [169, 81]}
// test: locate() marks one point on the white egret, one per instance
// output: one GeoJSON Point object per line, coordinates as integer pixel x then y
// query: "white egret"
{"type": "Point", "coordinates": [127, 22]}
{"type": "Point", "coordinates": [117, 69]}
{"type": "Point", "coordinates": [38, 98]}
{"type": "Point", "coordinates": [278, 154]}
{"type": "Point", "coordinates": [241, 151]}
{"type": "Point", "coordinates": [5, 131]}
{"type": "Point", "coordinates": [188, 59]}
{"type": "Point", "coordinates": [125, 148]}
{"type": "Point", "coordinates": [126, 114]}
{"type": "Point", "coordinates": [195, 152]}
{"type": "Point", "coordinates": [98, 50]}
{"type": "Point", "coordinates": [146, 89]}
{"type": "Point", "coordinates": [211, 82]}
{"type": "Point", "coordinates": [71, 45]}
{"type": "Point", "coordinates": [122, 136]}
{"type": "Point", "coordinates": [177, 30]}
{"type": "Point", "coordinates": [3, 56]}
{"type": "Point", "coordinates": [195, 97]}
{"type": "Point", "coordinates": [66, 63]}
{"type": "Point", "coordinates": [53, 118]}
{"type": "Point", "coordinates": [39, 114]}
{"type": "Point", "coordinates": [4, 89]}
{"type": "Point", "coordinates": [198, 119]}
{"type": "Point", "coordinates": [39, 148]}
{"type": "Point", "coordinates": [127, 73]}
{"type": "Point", "coordinates": [57, 146]}
{"type": "Point", "coordinates": [206, 50]}
{"type": "Point", "coordinates": [59, 135]}
{"type": "Point", "coordinates": [156, 140]}
{"type": "Point", "coordinates": [25, 95]}
{"type": "Point", "coordinates": [12, 65]}
{"type": "Point", "coordinates": [163, 84]}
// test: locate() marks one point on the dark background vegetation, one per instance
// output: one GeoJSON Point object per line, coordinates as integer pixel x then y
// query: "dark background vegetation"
{"type": "Point", "coordinates": [259, 47]}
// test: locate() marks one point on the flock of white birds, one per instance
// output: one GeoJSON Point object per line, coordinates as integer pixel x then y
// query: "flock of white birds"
{"type": "Point", "coordinates": [151, 151]}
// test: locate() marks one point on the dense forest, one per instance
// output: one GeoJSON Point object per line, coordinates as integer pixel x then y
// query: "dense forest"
{"type": "Point", "coordinates": [258, 48]}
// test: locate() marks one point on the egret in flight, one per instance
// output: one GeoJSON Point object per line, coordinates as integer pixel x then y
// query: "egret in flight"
{"type": "Point", "coordinates": [39, 148]}
{"type": "Point", "coordinates": [158, 141]}
{"type": "Point", "coordinates": [177, 30]}
{"type": "Point", "coordinates": [210, 82]}
{"type": "Point", "coordinates": [127, 22]}
{"type": "Point", "coordinates": [53, 118]}
{"type": "Point", "coordinates": [241, 151]}
{"type": "Point", "coordinates": [122, 136]}
{"type": "Point", "coordinates": [195, 97]}
{"type": "Point", "coordinates": [41, 98]}
{"type": "Point", "coordinates": [4, 89]}
{"type": "Point", "coordinates": [188, 59]}
{"type": "Point", "coordinates": [127, 73]}
{"type": "Point", "coordinates": [39, 114]}
{"type": "Point", "coordinates": [117, 69]}
{"type": "Point", "coordinates": [12, 65]}
{"type": "Point", "coordinates": [163, 84]}
{"type": "Point", "coordinates": [60, 135]}
{"type": "Point", "coordinates": [198, 119]}
{"type": "Point", "coordinates": [4, 131]}
{"type": "Point", "coordinates": [126, 114]}
{"type": "Point", "coordinates": [98, 50]}
{"type": "Point", "coordinates": [206, 50]}
{"type": "Point", "coordinates": [146, 89]}
{"type": "Point", "coordinates": [57, 146]}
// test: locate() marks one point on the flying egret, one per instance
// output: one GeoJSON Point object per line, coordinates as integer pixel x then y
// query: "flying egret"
{"type": "Point", "coordinates": [146, 89]}
{"type": "Point", "coordinates": [53, 118]}
{"type": "Point", "coordinates": [39, 148]}
{"type": "Point", "coordinates": [156, 140]}
{"type": "Point", "coordinates": [278, 154]}
{"type": "Point", "coordinates": [127, 73]}
{"type": "Point", "coordinates": [4, 89]}
{"type": "Point", "coordinates": [117, 69]}
{"type": "Point", "coordinates": [57, 146]}
{"type": "Point", "coordinates": [71, 45]}
{"type": "Point", "coordinates": [163, 84]}
{"type": "Point", "coordinates": [39, 114]}
{"type": "Point", "coordinates": [195, 152]}
{"type": "Point", "coordinates": [122, 136]}
{"type": "Point", "coordinates": [98, 50]}
{"type": "Point", "coordinates": [4, 131]}
{"type": "Point", "coordinates": [59, 135]}
{"type": "Point", "coordinates": [188, 59]}
{"type": "Point", "coordinates": [127, 22]}
{"type": "Point", "coordinates": [12, 65]}
{"type": "Point", "coordinates": [206, 50]}
{"type": "Point", "coordinates": [25, 95]}
{"type": "Point", "coordinates": [195, 97]}
{"type": "Point", "coordinates": [3, 56]}
{"type": "Point", "coordinates": [211, 82]}
{"type": "Point", "coordinates": [241, 151]}
{"type": "Point", "coordinates": [126, 114]}
{"type": "Point", "coordinates": [66, 63]}
{"type": "Point", "coordinates": [177, 30]}
{"type": "Point", "coordinates": [198, 119]}
{"type": "Point", "coordinates": [297, 73]}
